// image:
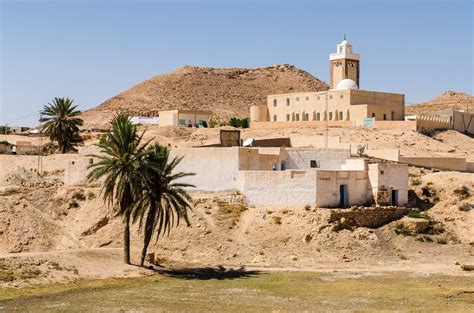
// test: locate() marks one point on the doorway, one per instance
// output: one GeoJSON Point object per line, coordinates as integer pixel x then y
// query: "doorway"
{"type": "Point", "coordinates": [395, 197]}
{"type": "Point", "coordinates": [343, 196]}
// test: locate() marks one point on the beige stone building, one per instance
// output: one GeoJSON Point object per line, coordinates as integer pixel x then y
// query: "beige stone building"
{"type": "Point", "coordinates": [184, 118]}
{"type": "Point", "coordinates": [343, 102]}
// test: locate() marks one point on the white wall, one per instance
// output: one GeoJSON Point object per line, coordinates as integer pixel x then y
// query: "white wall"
{"type": "Point", "coordinates": [299, 158]}
{"type": "Point", "coordinates": [328, 183]}
{"type": "Point", "coordinates": [279, 188]}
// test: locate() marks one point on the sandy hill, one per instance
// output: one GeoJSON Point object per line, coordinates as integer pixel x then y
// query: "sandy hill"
{"type": "Point", "coordinates": [447, 100]}
{"type": "Point", "coordinates": [227, 92]}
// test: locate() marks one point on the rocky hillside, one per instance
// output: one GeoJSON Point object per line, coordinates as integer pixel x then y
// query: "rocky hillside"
{"type": "Point", "coordinates": [227, 92]}
{"type": "Point", "coordinates": [447, 100]}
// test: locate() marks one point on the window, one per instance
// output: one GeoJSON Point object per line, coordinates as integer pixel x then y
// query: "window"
{"type": "Point", "coordinates": [274, 118]}
{"type": "Point", "coordinates": [287, 117]}
{"type": "Point", "coordinates": [330, 116]}
{"type": "Point", "coordinates": [297, 116]}
{"type": "Point", "coordinates": [297, 98]}
{"type": "Point", "coordinates": [306, 117]}
{"type": "Point", "coordinates": [287, 101]}
{"type": "Point", "coordinates": [384, 117]}
{"type": "Point", "coordinates": [342, 96]}
{"type": "Point", "coordinates": [307, 98]}
{"type": "Point", "coordinates": [373, 114]}
{"type": "Point", "coordinates": [318, 116]}
{"type": "Point", "coordinates": [393, 116]}
{"type": "Point", "coordinates": [381, 172]}
{"type": "Point", "coordinates": [274, 102]}
{"type": "Point", "coordinates": [182, 122]}
{"type": "Point", "coordinates": [313, 164]}
{"type": "Point", "coordinates": [341, 116]}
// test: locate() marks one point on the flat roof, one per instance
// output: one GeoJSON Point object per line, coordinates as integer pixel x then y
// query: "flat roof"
{"type": "Point", "coordinates": [187, 112]}
{"type": "Point", "coordinates": [334, 91]}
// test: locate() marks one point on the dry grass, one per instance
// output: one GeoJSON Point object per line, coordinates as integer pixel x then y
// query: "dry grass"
{"type": "Point", "coordinates": [289, 291]}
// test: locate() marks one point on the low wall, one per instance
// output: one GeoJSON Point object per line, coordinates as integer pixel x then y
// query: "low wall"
{"type": "Point", "coordinates": [318, 142]}
{"type": "Point", "coordinates": [368, 217]}
{"type": "Point", "coordinates": [470, 166]}
{"type": "Point", "coordinates": [301, 124]}
{"type": "Point", "coordinates": [386, 154]}
{"type": "Point", "coordinates": [272, 142]}
{"type": "Point", "coordinates": [442, 163]}
{"type": "Point", "coordinates": [402, 125]}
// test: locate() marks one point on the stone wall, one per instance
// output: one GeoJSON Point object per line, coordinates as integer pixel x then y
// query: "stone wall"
{"type": "Point", "coordinates": [463, 122]}
{"type": "Point", "coordinates": [372, 217]}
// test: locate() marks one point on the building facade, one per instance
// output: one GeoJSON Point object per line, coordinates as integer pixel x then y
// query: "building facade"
{"type": "Point", "coordinates": [343, 102]}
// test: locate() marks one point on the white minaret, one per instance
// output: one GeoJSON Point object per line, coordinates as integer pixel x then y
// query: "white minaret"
{"type": "Point", "coordinates": [344, 64]}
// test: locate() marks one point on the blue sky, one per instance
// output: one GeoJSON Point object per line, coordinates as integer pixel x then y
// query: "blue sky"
{"type": "Point", "coordinates": [92, 50]}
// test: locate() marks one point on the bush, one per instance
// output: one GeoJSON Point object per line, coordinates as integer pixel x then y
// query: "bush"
{"type": "Point", "coordinates": [238, 123]}
{"type": "Point", "coordinates": [415, 214]}
{"type": "Point", "coordinates": [91, 195]}
{"type": "Point", "coordinates": [415, 182]}
{"type": "Point", "coordinates": [462, 192]}
{"type": "Point", "coordinates": [276, 219]}
{"type": "Point", "coordinates": [465, 207]}
{"type": "Point", "coordinates": [361, 151]}
{"type": "Point", "coordinates": [79, 195]}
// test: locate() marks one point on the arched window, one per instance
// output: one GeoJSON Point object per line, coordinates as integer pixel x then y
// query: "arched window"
{"type": "Point", "coordinates": [384, 117]}
{"type": "Point", "coordinates": [341, 115]}
{"type": "Point", "coordinates": [306, 117]}
{"type": "Point", "coordinates": [373, 114]}
{"type": "Point", "coordinates": [287, 117]}
{"type": "Point", "coordinates": [274, 118]}
{"type": "Point", "coordinates": [318, 116]}
{"type": "Point", "coordinates": [330, 116]}
{"type": "Point", "coordinates": [297, 117]}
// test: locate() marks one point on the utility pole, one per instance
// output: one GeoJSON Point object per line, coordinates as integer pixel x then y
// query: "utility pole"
{"type": "Point", "coordinates": [326, 144]}
{"type": "Point", "coordinates": [40, 148]}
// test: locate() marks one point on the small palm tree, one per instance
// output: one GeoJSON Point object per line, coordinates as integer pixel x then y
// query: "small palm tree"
{"type": "Point", "coordinates": [61, 123]}
{"type": "Point", "coordinates": [164, 200]}
{"type": "Point", "coordinates": [121, 165]}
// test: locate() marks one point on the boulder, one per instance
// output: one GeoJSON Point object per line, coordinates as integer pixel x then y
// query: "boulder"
{"type": "Point", "coordinates": [415, 225]}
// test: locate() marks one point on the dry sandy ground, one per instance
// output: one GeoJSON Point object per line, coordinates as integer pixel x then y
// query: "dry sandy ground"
{"type": "Point", "coordinates": [59, 234]}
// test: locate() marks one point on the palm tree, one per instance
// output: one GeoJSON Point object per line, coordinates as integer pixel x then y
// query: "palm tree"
{"type": "Point", "coordinates": [121, 165]}
{"type": "Point", "coordinates": [164, 200]}
{"type": "Point", "coordinates": [61, 123]}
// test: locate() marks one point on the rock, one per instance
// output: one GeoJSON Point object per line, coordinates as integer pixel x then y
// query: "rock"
{"type": "Point", "coordinates": [294, 258]}
{"type": "Point", "coordinates": [307, 238]}
{"type": "Point", "coordinates": [415, 225]}
{"type": "Point", "coordinates": [468, 267]}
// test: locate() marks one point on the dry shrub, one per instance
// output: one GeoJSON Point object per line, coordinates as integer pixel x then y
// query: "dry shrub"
{"type": "Point", "coordinates": [91, 195]}
{"type": "Point", "coordinates": [462, 193]}
{"type": "Point", "coordinates": [79, 195]}
{"type": "Point", "coordinates": [276, 219]}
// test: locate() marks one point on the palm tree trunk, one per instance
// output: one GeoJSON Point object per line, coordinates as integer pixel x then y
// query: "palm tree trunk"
{"type": "Point", "coordinates": [149, 225]}
{"type": "Point", "coordinates": [126, 240]}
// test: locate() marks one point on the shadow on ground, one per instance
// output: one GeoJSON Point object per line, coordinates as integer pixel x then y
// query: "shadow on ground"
{"type": "Point", "coordinates": [205, 273]}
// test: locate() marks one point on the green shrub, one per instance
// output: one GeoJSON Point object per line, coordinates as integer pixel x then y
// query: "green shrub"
{"type": "Point", "coordinates": [238, 123]}
{"type": "Point", "coordinates": [415, 182]}
{"type": "Point", "coordinates": [416, 214]}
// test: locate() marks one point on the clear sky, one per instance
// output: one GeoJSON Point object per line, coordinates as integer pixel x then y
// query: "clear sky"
{"type": "Point", "coordinates": [92, 50]}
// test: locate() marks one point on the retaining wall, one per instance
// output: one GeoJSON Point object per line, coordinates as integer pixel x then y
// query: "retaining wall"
{"type": "Point", "coordinates": [368, 217]}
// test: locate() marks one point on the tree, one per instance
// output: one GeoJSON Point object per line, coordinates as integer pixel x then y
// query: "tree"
{"type": "Point", "coordinates": [121, 165]}
{"type": "Point", "coordinates": [164, 200]}
{"type": "Point", "coordinates": [61, 123]}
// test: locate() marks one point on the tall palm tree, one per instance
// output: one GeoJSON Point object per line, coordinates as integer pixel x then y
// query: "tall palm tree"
{"type": "Point", "coordinates": [164, 200]}
{"type": "Point", "coordinates": [61, 123]}
{"type": "Point", "coordinates": [121, 165]}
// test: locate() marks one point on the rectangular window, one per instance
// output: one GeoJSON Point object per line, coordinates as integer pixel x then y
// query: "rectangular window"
{"type": "Point", "coordinates": [341, 116]}
{"type": "Point", "coordinates": [297, 116]}
{"type": "Point", "coordinates": [307, 98]}
{"type": "Point", "coordinates": [274, 118]}
{"type": "Point", "coordinates": [287, 117]}
{"type": "Point", "coordinates": [274, 102]}
{"type": "Point", "coordinates": [182, 122]}
{"type": "Point", "coordinates": [318, 116]}
{"type": "Point", "coordinates": [313, 164]}
{"type": "Point", "coordinates": [306, 116]}
{"type": "Point", "coordinates": [330, 116]}
{"type": "Point", "coordinates": [342, 96]}
{"type": "Point", "coordinates": [297, 99]}
{"type": "Point", "coordinates": [287, 101]}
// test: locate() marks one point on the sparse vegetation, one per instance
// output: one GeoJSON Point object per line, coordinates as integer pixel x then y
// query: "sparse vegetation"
{"type": "Point", "coordinates": [462, 193]}
{"type": "Point", "coordinates": [73, 204]}
{"type": "Point", "coordinates": [91, 195]}
{"type": "Point", "coordinates": [79, 195]}
{"type": "Point", "coordinates": [361, 151]}
{"type": "Point", "coordinates": [415, 214]}
{"type": "Point", "coordinates": [415, 181]}
{"type": "Point", "coordinates": [465, 207]}
{"type": "Point", "coordinates": [239, 123]}
{"type": "Point", "coordinates": [276, 219]}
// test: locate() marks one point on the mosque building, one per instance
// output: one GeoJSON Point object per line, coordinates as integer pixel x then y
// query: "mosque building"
{"type": "Point", "coordinates": [343, 102]}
